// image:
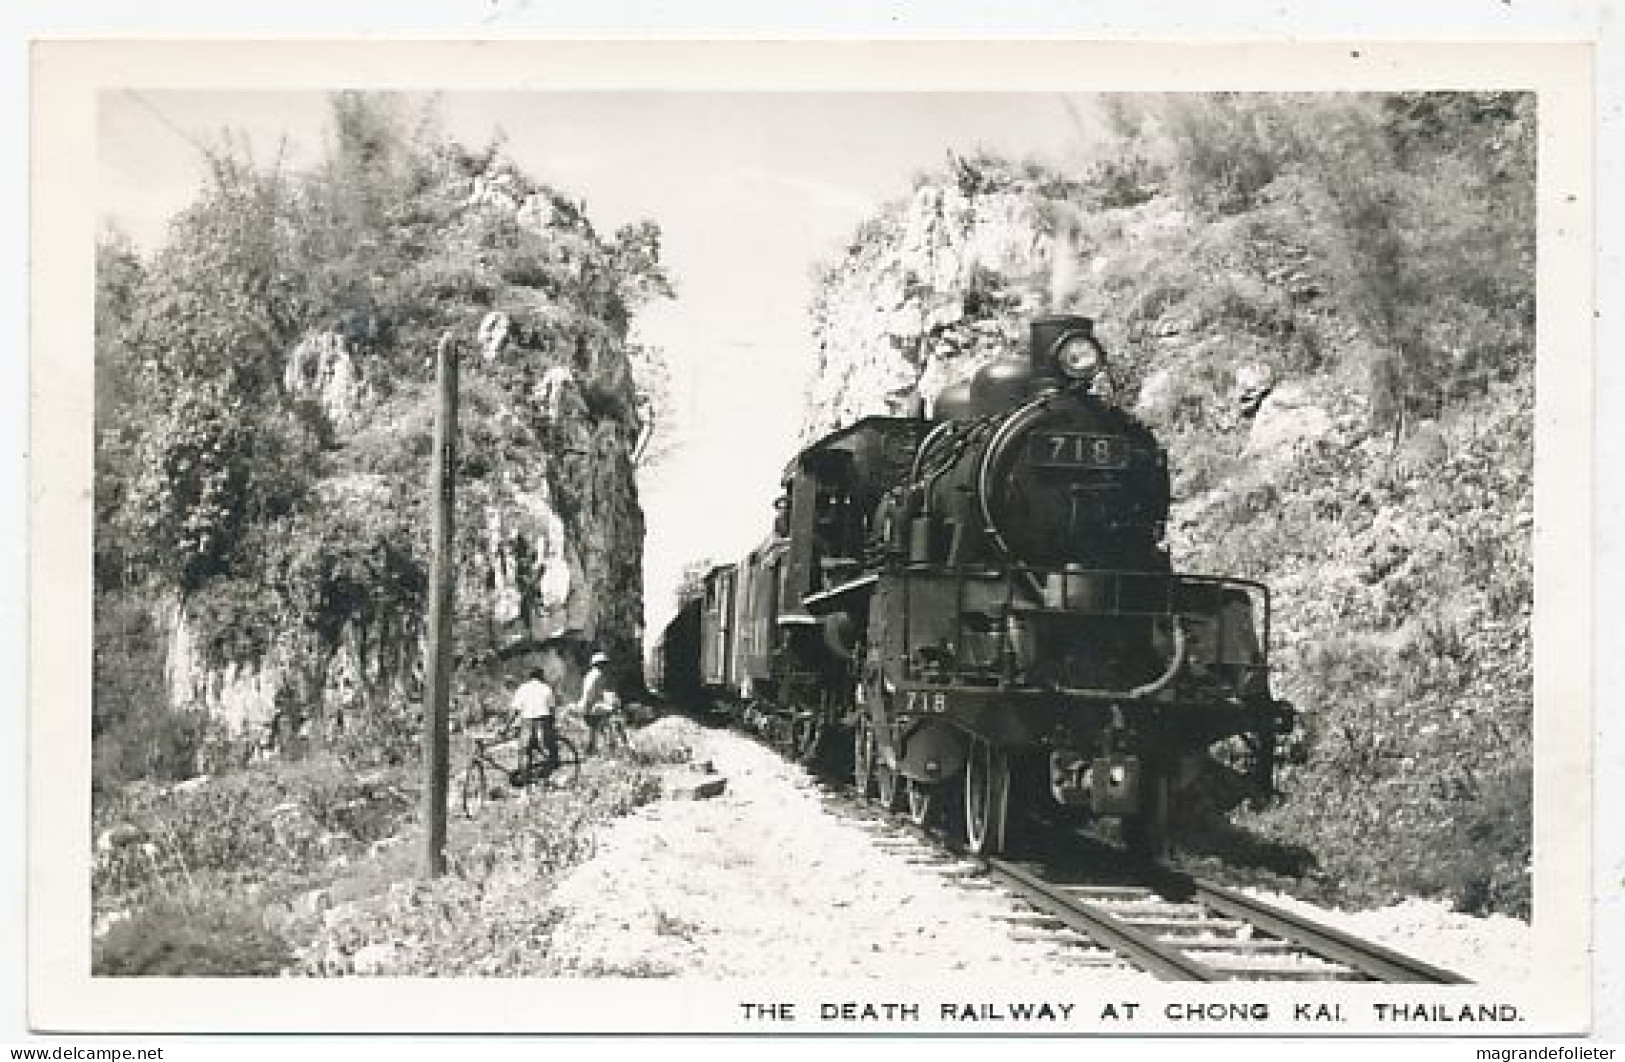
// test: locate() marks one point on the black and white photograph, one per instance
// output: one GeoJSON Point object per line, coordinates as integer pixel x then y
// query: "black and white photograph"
{"type": "Point", "coordinates": [884, 554]}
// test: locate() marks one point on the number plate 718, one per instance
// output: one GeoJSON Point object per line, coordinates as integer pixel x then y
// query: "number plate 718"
{"type": "Point", "coordinates": [1068, 449]}
{"type": "Point", "coordinates": [925, 701]}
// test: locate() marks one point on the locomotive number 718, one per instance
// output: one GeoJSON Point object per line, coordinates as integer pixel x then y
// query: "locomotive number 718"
{"type": "Point", "coordinates": [1068, 449]}
{"type": "Point", "coordinates": [925, 701]}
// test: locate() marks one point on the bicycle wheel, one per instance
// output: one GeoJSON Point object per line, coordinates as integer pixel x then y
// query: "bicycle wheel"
{"type": "Point", "coordinates": [612, 738]}
{"type": "Point", "coordinates": [569, 768]}
{"type": "Point", "coordinates": [473, 792]}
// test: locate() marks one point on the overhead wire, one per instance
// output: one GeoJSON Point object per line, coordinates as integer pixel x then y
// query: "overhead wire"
{"type": "Point", "coordinates": [169, 124]}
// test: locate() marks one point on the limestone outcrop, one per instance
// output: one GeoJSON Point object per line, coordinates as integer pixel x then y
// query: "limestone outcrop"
{"type": "Point", "coordinates": [550, 532]}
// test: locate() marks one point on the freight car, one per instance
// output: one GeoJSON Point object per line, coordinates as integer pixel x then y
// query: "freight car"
{"type": "Point", "coordinates": [981, 606]}
{"type": "Point", "coordinates": [674, 661]}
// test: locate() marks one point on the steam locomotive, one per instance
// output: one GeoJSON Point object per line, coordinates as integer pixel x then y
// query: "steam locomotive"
{"type": "Point", "coordinates": [982, 605]}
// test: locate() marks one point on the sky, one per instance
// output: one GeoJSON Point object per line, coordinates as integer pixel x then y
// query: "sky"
{"type": "Point", "coordinates": [751, 190]}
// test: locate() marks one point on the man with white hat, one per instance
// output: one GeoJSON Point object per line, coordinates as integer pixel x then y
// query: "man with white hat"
{"type": "Point", "coordinates": [598, 701]}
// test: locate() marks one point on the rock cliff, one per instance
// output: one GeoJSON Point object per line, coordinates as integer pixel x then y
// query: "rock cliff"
{"type": "Point", "coordinates": [925, 294]}
{"type": "Point", "coordinates": [550, 532]}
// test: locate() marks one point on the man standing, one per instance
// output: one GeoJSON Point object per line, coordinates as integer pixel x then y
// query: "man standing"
{"type": "Point", "coordinates": [596, 702]}
{"type": "Point", "coordinates": [594, 683]}
{"type": "Point", "coordinates": [533, 702]}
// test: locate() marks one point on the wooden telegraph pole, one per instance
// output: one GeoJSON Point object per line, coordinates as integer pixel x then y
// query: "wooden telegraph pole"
{"type": "Point", "coordinates": [437, 651]}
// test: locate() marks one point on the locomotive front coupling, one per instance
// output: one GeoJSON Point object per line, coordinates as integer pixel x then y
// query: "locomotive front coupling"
{"type": "Point", "coordinates": [1106, 784]}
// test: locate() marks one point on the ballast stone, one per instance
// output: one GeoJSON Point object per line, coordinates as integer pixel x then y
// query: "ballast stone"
{"type": "Point", "coordinates": [695, 786]}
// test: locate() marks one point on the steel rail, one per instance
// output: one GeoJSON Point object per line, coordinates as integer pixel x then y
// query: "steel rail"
{"type": "Point", "coordinates": [1373, 960]}
{"type": "Point", "coordinates": [1169, 961]}
{"type": "Point", "coordinates": [1159, 960]}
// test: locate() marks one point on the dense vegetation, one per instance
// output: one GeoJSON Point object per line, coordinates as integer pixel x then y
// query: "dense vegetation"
{"type": "Point", "coordinates": [1325, 305]}
{"type": "Point", "coordinates": [310, 869]}
{"type": "Point", "coordinates": [264, 413]}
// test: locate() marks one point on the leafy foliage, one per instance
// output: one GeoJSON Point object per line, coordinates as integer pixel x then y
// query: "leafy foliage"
{"type": "Point", "coordinates": [211, 468]}
{"type": "Point", "coordinates": [491, 915]}
{"type": "Point", "coordinates": [1402, 593]}
{"type": "Point", "coordinates": [309, 868]}
{"type": "Point", "coordinates": [276, 820]}
{"type": "Point", "coordinates": [1415, 212]}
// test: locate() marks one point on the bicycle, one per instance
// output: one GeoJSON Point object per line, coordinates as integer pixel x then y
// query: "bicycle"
{"type": "Point", "coordinates": [502, 756]}
{"type": "Point", "coordinates": [606, 732]}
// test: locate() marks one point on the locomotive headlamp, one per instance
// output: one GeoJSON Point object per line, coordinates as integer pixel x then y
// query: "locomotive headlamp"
{"type": "Point", "coordinates": [1079, 356]}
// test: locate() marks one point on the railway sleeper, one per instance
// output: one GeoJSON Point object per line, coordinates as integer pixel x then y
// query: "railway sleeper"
{"type": "Point", "coordinates": [1130, 910]}
{"type": "Point", "coordinates": [1230, 944]}
{"type": "Point", "coordinates": [1109, 893]}
{"type": "Point", "coordinates": [1092, 961]}
{"type": "Point", "coordinates": [1032, 918]}
{"type": "Point", "coordinates": [1059, 935]}
{"type": "Point", "coordinates": [1231, 948]}
{"type": "Point", "coordinates": [1288, 962]}
{"type": "Point", "coordinates": [1286, 973]}
{"type": "Point", "coordinates": [1199, 926]}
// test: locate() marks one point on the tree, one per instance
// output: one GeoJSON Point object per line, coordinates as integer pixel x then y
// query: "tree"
{"type": "Point", "coordinates": [1421, 207]}
{"type": "Point", "coordinates": [1416, 210]}
{"type": "Point", "coordinates": [119, 277]}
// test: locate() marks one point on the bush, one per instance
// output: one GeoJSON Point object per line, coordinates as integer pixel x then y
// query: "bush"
{"type": "Point", "coordinates": [389, 735]}
{"type": "Point", "coordinates": [260, 824]}
{"type": "Point", "coordinates": [491, 914]}
{"type": "Point", "coordinates": [155, 743]}
{"type": "Point", "coordinates": [217, 938]}
{"type": "Point", "coordinates": [1485, 867]}
{"type": "Point", "coordinates": [1127, 181]}
{"type": "Point", "coordinates": [134, 734]}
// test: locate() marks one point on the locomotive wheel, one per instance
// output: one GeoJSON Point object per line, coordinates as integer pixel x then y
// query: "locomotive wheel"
{"type": "Point", "coordinates": [889, 784]}
{"type": "Point", "coordinates": [924, 801]}
{"type": "Point", "coordinates": [987, 798]}
{"type": "Point", "coordinates": [863, 757]}
{"type": "Point", "coordinates": [809, 733]}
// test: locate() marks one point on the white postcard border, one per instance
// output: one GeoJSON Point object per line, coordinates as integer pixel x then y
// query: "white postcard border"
{"type": "Point", "coordinates": [67, 77]}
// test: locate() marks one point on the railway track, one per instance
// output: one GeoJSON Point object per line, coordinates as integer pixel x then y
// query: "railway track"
{"type": "Point", "coordinates": [1210, 934]}
{"type": "Point", "coordinates": [1167, 924]}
